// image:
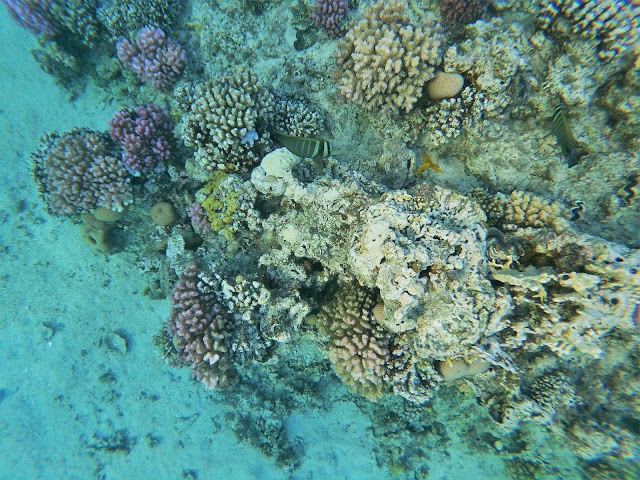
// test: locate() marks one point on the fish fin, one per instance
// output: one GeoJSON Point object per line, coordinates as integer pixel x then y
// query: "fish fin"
{"type": "Point", "coordinates": [318, 165]}
{"type": "Point", "coordinates": [574, 156]}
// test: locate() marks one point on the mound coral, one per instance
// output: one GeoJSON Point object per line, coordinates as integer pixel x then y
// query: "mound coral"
{"type": "Point", "coordinates": [385, 59]}
{"type": "Point", "coordinates": [76, 172]}
{"type": "Point", "coordinates": [458, 13]}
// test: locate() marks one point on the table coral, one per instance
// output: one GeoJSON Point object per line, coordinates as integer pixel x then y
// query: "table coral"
{"type": "Point", "coordinates": [385, 59]}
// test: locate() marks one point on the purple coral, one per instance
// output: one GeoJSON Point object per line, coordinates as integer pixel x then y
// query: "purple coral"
{"type": "Point", "coordinates": [458, 13]}
{"type": "Point", "coordinates": [199, 218]}
{"type": "Point", "coordinates": [328, 14]}
{"type": "Point", "coordinates": [200, 328]}
{"type": "Point", "coordinates": [76, 173]}
{"type": "Point", "coordinates": [34, 15]}
{"type": "Point", "coordinates": [143, 133]}
{"type": "Point", "coordinates": [156, 59]}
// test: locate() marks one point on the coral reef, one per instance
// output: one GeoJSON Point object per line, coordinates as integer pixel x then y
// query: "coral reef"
{"type": "Point", "coordinates": [385, 59]}
{"type": "Point", "coordinates": [426, 255]}
{"type": "Point", "coordinates": [76, 172]}
{"type": "Point", "coordinates": [614, 23]}
{"type": "Point", "coordinates": [358, 347]}
{"type": "Point", "coordinates": [201, 329]}
{"type": "Point", "coordinates": [226, 120]}
{"type": "Point", "coordinates": [144, 135]}
{"type": "Point", "coordinates": [155, 59]}
{"type": "Point", "coordinates": [328, 15]}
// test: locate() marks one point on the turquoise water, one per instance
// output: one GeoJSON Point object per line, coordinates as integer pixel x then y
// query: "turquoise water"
{"type": "Point", "coordinates": [445, 295]}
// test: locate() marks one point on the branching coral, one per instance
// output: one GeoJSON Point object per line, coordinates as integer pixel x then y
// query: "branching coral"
{"type": "Point", "coordinates": [77, 172]}
{"type": "Point", "coordinates": [385, 59]}
{"type": "Point", "coordinates": [226, 121]}
{"type": "Point", "coordinates": [615, 23]}
{"type": "Point", "coordinates": [358, 347]}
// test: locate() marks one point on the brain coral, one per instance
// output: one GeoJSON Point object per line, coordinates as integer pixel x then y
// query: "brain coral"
{"type": "Point", "coordinates": [385, 59]}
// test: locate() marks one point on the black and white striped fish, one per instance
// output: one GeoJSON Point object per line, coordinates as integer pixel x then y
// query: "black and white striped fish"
{"type": "Point", "coordinates": [571, 148]}
{"type": "Point", "coordinates": [306, 147]}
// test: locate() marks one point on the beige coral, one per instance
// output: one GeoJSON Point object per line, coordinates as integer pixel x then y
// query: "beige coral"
{"type": "Point", "coordinates": [385, 59]}
{"type": "Point", "coordinates": [358, 347]}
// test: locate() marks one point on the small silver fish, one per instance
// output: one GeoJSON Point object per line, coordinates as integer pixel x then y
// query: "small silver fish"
{"type": "Point", "coordinates": [571, 148]}
{"type": "Point", "coordinates": [306, 147]}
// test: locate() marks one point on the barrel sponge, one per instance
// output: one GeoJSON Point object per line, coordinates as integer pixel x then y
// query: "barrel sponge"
{"type": "Point", "coordinates": [358, 346]}
{"type": "Point", "coordinates": [444, 85]}
{"type": "Point", "coordinates": [385, 59]}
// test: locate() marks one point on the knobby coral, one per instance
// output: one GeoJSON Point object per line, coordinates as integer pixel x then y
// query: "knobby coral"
{"type": "Point", "coordinates": [77, 171]}
{"type": "Point", "coordinates": [386, 58]}
{"type": "Point", "coordinates": [155, 59]}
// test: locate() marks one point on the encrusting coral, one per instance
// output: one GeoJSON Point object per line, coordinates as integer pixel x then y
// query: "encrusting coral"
{"type": "Point", "coordinates": [385, 59]}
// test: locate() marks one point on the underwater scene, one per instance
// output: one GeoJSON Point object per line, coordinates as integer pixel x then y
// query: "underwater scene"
{"type": "Point", "coordinates": [320, 239]}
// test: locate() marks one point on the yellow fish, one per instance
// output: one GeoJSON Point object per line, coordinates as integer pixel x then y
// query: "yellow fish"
{"type": "Point", "coordinates": [427, 163]}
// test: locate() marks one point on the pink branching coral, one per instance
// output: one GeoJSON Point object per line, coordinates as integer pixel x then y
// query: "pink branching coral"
{"type": "Point", "coordinates": [199, 218]}
{"type": "Point", "coordinates": [144, 134]}
{"type": "Point", "coordinates": [328, 15]}
{"type": "Point", "coordinates": [156, 59]}
{"type": "Point", "coordinates": [458, 13]}
{"type": "Point", "coordinates": [76, 172]}
{"type": "Point", "coordinates": [358, 346]}
{"type": "Point", "coordinates": [201, 329]}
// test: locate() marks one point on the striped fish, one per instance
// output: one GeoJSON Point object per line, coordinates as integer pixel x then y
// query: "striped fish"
{"type": "Point", "coordinates": [306, 147]}
{"type": "Point", "coordinates": [571, 148]}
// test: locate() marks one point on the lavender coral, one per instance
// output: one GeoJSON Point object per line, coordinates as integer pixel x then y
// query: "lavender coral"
{"type": "Point", "coordinates": [143, 134]}
{"type": "Point", "coordinates": [458, 13]}
{"type": "Point", "coordinates": [385, 59]}
{"type": "Point", "coordinates": [76, 173]}
{"type": "Point", "coordinates": [34, 15]}
{"type": "Point", "coordinates": [200, 328]}
{"type": "Point", "coordinates": [156, 59]}
{"type": "Point", "coordinates": [328, 15]}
